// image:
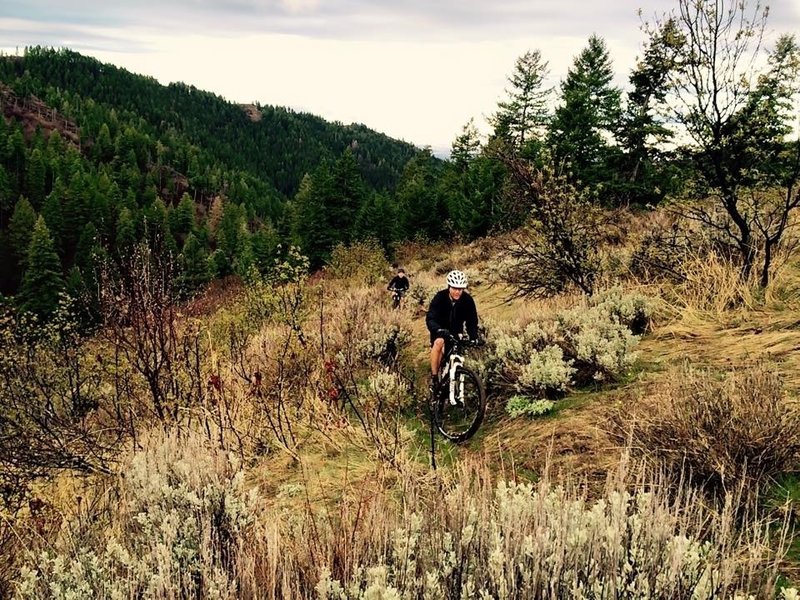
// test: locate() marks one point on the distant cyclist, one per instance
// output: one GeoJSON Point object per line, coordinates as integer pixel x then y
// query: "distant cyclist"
{"type": "Point", "coordinates": [451, 310]}
{"type": "Point", "coordinates": [398, 286]}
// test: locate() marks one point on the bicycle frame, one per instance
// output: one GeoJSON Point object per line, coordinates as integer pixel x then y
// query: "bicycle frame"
{"type": "Point", "coordinates": [455, 361]}
{"type": "Point", "coordinates": [458, 408]}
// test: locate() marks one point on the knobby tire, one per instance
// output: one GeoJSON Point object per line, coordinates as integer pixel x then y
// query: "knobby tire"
{"type": "Point", "coordinates": [459, 423]}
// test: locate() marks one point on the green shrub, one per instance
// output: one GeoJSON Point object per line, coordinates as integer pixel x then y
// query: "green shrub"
{"type": "Point", "coordinates": [523, 405]}
{"type": "Point", "coordinates": [600, 346]}
{"type": "Point", "coordinates": [545, 371]}
{"type": "Point", "coordinates": [181, 516]}
{"type": "Point", "coordinates": [579, 346]}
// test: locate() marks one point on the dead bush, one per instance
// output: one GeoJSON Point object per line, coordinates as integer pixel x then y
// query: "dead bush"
{"type": "Point", "coordinates": [726, 431]}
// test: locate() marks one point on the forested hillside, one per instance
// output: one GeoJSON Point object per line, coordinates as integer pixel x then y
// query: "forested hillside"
{"type": "Point", "coordinates": [108, 158]}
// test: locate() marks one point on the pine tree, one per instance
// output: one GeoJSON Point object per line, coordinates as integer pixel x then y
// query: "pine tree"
{"type": "Point", "coordinates": [422, 213]}
{"type": "Point", "coordinates": [378, 220]}
{"type": "Point", "coordinates": [194, 264]}
{"type": "Point", "coordinates": [6, 197]}
{"type": "Point", "coordinates": [35, 179]}
{"type": "Point", "coordinates": [126, 232]}
{"type": "Point", "coordinates": [87, 250]}
{"type": "Point", "coordinates": [104, 146]}
{"type": "Point", "coordinates": [265, 243]}
{"type": "Point", "coordinates": [233, 238]}
{"type": "Point", "coordinates": [588, 114]}
{"type": "Point", "coordinates": [16, 160]}
{"type": "Point", "coordinates": [524, 115]}
{"type": "Point", "coordinates": [20, 230]}
{"type": "Point", "coordinates": [645, 174]}
{"type": "Point", "coordinates": [75, 210]}
{"type": "Point", "coordinates": [53, 216]}
{"type": "Point", "coordinates": [310, 226]}
{"type": "Point", "coordinates": [465, 147]}
{"type": "Point", "coordinates": [181, 219]}
{"type": "Point", "coordinates": [42, 283]}
{"type": "Point", "coordinates": [346, 194]}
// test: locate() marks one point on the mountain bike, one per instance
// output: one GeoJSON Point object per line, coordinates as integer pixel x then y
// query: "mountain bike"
{"type": "Point", "coordinates": [397, 297]}
{"type": "Point", "coordinates": [459, 399]}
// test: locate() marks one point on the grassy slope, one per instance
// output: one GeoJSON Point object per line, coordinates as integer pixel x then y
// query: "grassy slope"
{"type": "Point", "coordinates": [689, 329]}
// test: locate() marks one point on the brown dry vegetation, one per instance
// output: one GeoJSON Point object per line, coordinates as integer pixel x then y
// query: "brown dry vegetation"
{"type": "Point", "coordinates": [319, 442]}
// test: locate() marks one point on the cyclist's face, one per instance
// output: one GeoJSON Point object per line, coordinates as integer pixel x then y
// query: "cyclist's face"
{"type": "Point", "coordinates": [455, 293]}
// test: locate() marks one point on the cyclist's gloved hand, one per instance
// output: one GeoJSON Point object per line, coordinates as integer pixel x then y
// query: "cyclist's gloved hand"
{"type": "Point", "coordinates": [444, 333]}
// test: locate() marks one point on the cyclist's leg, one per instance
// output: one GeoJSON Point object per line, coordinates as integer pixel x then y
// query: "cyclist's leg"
{"type": "Point", "coordinates": [437, 352]}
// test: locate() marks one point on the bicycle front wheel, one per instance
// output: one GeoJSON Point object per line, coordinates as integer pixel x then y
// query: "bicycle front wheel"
{"type": "Point", "coordinates": [459, 414]}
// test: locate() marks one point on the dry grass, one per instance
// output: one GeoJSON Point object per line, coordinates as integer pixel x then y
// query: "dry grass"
{"type": "Point", "coordinates": [733, 432]}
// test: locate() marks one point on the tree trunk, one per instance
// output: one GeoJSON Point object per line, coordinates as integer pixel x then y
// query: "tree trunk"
{"type": "Point", "coordinates": [764, 279]}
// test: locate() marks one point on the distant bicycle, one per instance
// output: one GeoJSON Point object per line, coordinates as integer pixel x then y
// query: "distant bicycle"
{"type": "Point", "coordinates": [397, 297]}
{"type": "Point", "coordinates": [459, 399]}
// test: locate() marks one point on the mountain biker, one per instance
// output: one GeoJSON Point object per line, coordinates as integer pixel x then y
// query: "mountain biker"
{"type": "Point", "coordinates": [450, 311]}
{"type": "Point", "coordinates": [399, 282]}
{"type": "Point", "coordinates": [398, 286]}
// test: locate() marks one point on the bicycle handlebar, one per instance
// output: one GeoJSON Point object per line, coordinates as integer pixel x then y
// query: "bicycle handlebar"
{"type": "Point", "coordinates": [461, 339]}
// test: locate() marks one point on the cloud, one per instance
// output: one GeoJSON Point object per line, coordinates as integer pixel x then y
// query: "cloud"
{"type": "Point", "coordinates": [422, 20]}
{"type": "Point", "coordinates": [358, 20]}
{"type": "Point", "coordinates": [414, 69]}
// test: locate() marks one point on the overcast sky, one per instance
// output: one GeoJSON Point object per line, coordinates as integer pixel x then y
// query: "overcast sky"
{"type": "Point", "coordinates": [417, 70]}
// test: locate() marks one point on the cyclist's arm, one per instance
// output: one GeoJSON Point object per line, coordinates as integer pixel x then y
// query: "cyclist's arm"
{"type": "Point", "coordinates": [432, 319]}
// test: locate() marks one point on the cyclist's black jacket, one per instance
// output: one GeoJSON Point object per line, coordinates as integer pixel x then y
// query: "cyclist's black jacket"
{"type": "Point", "coordinates": [443, 313]}
{"type": "Point", "coordinates": [398, 283]}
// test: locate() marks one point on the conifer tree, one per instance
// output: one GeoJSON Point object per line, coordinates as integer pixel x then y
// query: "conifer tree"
{"type": "Point", "coordinates": [310, 226]}
{"type": "Point", "coordinates": [42, 283]}
{"type": "Point", "coordinates": [645, 175]}
{"type": "Point", "coordinates": [104, 145]}
{"type": "Point", "coordinates": [421, 212]}
{"type": "Point", "coordinates": [181, 219]}
{"type": "Point", "coordinates": [75, 210]}
{"type": "Point", "coordinates": [233, 238]}
{"type": "Point", "coordinates": [524, 115]}
{"type": "Point", "coordinates": [20, 230]}
{"type": "Point", "coordinates": [35, 179]}
{"type": "Point", "coordinates": [126, 232]}
{"type": "Point", "coordinates": [16, 160]}
{"type": "Point", "coordinates": [6, 198]}
{"type": "Point", "coordinates": [194, 264]}
{"type": "Point", "coordinates": [589, 113]}
{"type": "Point", "coordinates": [378, 220]}
{"type": "Point", "coordinates": [465, 147]}
{"type": "Point", "coordinates": [345, 196]}
{"type": "Point", "coordinates": [265, 243]}
{"type": "Point", "coordinates": [53, 216]}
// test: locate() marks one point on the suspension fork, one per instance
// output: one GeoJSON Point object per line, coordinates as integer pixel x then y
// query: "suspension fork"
{"type": "Point", "coordinates": [456, 361]}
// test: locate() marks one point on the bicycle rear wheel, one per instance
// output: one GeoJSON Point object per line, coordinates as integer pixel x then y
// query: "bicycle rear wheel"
{"type": "Point", "coordinates": [459, 419]}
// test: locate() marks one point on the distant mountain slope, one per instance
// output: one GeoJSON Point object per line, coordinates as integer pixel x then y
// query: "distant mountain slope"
{"type": "Point", "coordinates": [278, 148]}
{"type": "Point", "coordinates": [96, 159]}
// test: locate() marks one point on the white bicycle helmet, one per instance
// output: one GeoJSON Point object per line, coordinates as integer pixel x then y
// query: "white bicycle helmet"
{"type": "Point", "coordinates": [457, 279]}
